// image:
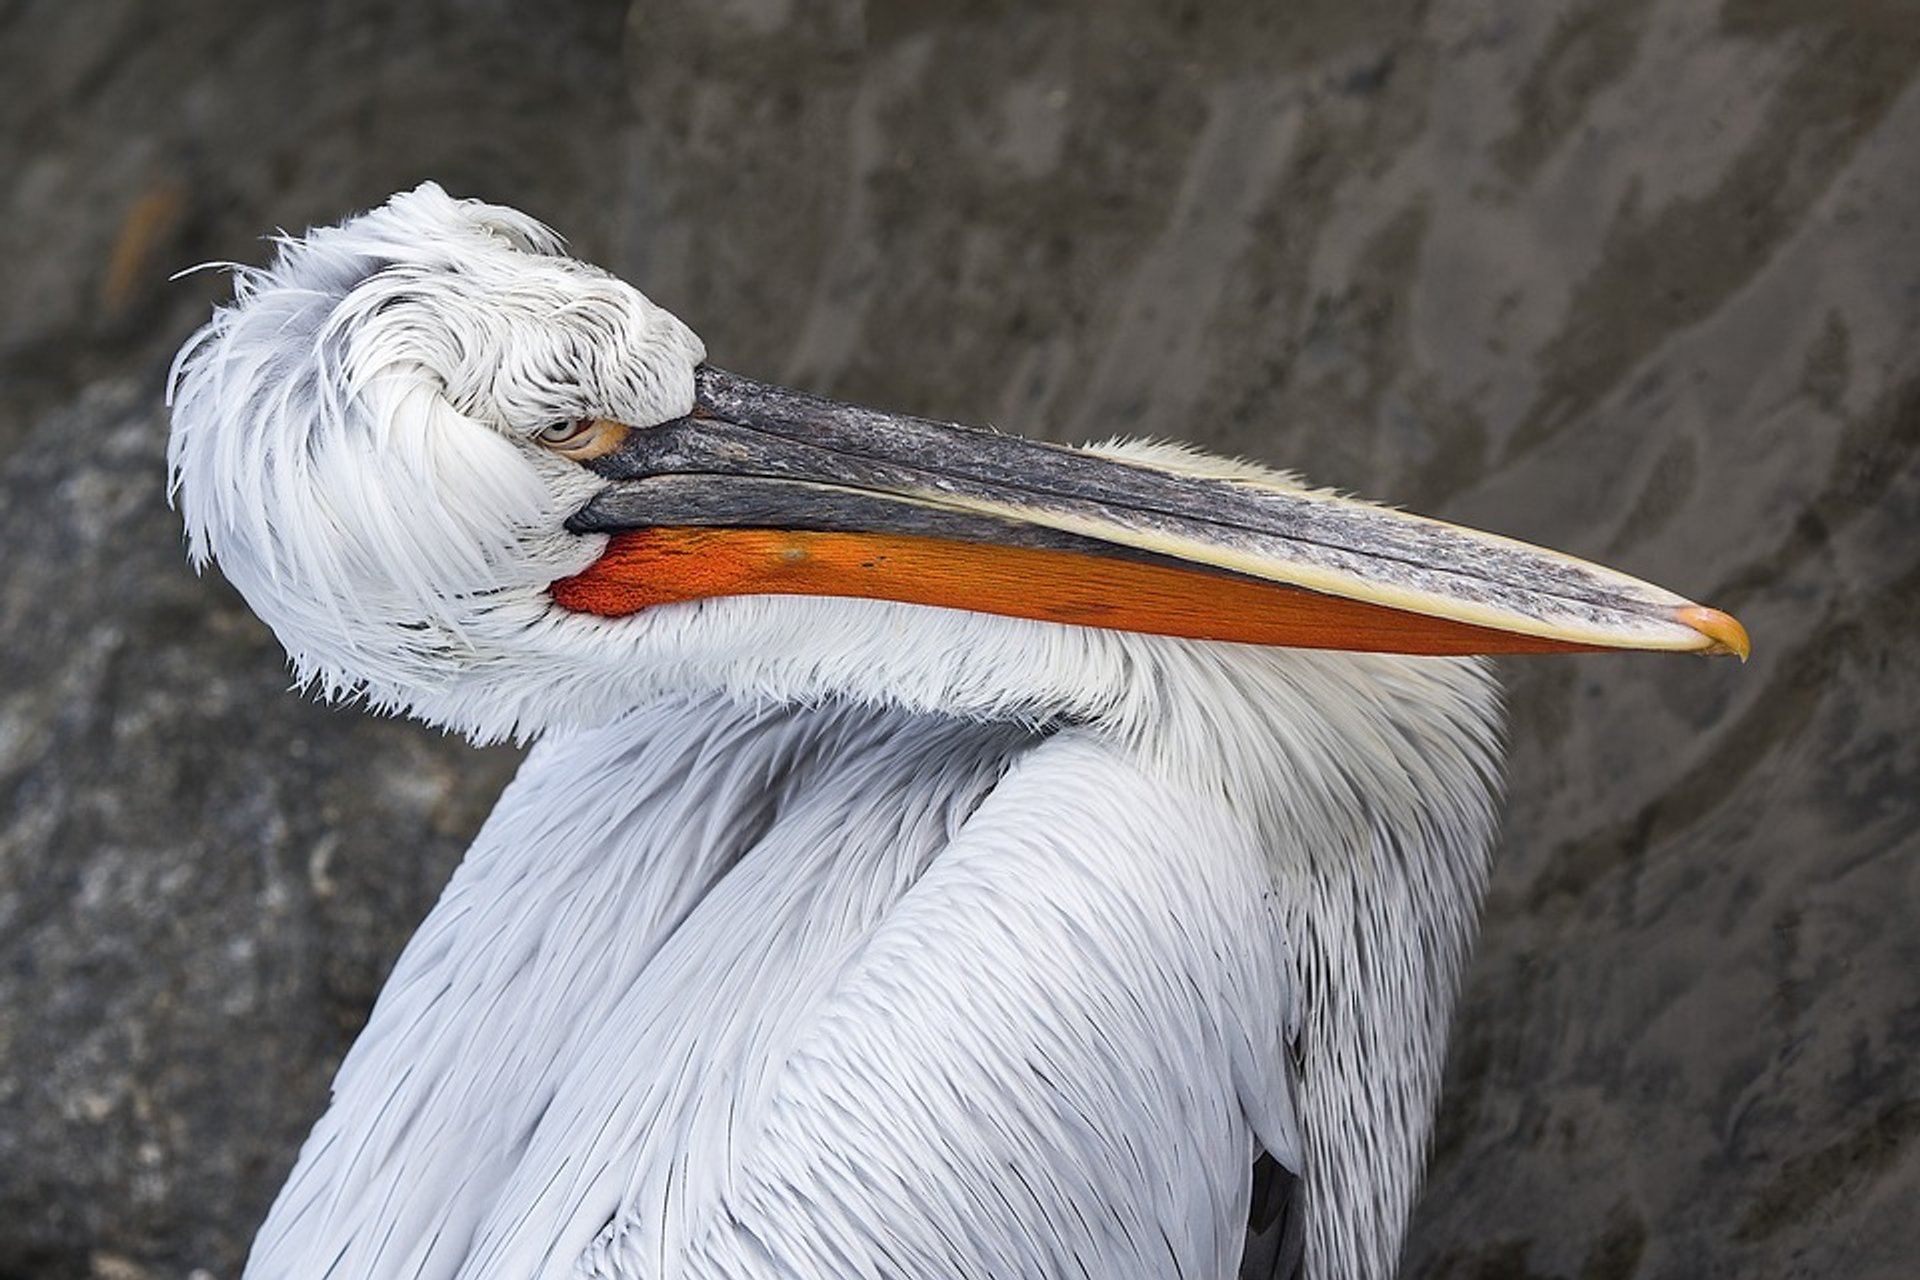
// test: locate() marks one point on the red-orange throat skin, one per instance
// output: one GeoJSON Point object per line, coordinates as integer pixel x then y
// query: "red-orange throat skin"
{"type": "Point", "coordinates": [642, 568]}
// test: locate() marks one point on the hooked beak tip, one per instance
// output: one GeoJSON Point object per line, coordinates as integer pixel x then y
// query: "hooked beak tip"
{"type": "Point", "coordinates": [1722, 630]}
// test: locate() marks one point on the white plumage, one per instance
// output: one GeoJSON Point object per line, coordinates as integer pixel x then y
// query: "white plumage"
{"type": "Point", "coordinates": [817, 936]}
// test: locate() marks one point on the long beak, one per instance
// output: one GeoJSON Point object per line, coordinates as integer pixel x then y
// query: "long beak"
{"type": "Point", "coordinates": [761, 490]}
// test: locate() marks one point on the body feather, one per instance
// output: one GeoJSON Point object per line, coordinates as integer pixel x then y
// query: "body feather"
{"type": "Point", "coordinates": [807, 947]}
{"type": "Point", "coordinates": [743, 990]}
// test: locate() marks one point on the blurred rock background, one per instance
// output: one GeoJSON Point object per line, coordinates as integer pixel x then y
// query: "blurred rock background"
{"type": "Point", "coordinates": [1637, 278]}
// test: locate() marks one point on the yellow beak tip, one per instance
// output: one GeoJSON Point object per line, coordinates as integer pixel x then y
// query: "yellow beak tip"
{"type": "Point", "coordinates": [1722, 630]}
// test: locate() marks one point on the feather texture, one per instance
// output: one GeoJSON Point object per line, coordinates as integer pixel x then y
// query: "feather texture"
{"type": "Point", "coordinates": [816, 937]}
{"type": "Point", "coordinates": [735, 991]}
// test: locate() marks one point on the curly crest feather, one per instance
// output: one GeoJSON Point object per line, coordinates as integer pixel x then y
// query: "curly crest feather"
{"type": "Point", "coordinates": [351, 433]}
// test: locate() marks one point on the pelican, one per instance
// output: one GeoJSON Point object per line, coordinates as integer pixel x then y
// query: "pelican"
{"type": "Point", "coordinates": [940, 854]}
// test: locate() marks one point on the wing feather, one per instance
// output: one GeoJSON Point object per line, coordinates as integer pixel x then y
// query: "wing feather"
{"type": "Point", "coordinates": [838, 992]}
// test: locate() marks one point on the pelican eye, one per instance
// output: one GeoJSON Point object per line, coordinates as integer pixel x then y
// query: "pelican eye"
{"type": "Point", "coordinates": [561, 434]}
{"type": "Point", "coordinates": [582, 439]}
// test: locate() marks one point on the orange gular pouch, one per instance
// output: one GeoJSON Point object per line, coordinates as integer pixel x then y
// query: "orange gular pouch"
{"type": "Point", "coordinates": [646, 567]}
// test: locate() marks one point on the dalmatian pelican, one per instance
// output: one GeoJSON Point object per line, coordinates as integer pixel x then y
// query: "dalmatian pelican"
{"type": "Point", "coordinates": [940, 854]}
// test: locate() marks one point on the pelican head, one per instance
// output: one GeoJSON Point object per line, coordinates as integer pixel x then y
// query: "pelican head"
{"type": "Point", "coordinates": [465, 476]}
{"type": "Point", "coordinates": [371, 442]}
{"type": "Point", "coordinates": [461, 474]}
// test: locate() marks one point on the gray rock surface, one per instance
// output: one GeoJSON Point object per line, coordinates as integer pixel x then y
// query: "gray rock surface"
{"type": "Point", "coordinates": [1638, 279]}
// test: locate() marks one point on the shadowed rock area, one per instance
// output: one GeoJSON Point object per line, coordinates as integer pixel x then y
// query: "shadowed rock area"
{"type": "Point", "coordinates": [1639, 280]}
